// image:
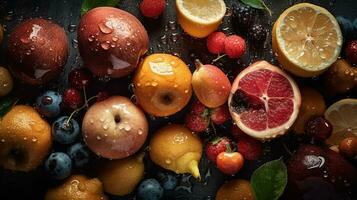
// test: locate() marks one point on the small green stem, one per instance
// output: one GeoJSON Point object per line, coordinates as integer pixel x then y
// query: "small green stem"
{"type": "Point", "coordinates": [266, 8]}
{"type": "Point", "coordinates": [286, 148]}
{"type": "Point", "coordinates": [85, 105]}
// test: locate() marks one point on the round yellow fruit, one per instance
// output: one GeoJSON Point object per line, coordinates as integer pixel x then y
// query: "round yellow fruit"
{"type": "Point", "coordinates": [200, 18]}
{"type": "Point", "coordinates": [176, 148]}
{"type": "Point", "coordinates": [25, 139]}
{"type": "Point", "coordinates": [235, 190]}
{"type": "Point", "coordinates": [120, 177]}
{"type": "Point", "coordinates": [307, 39]}
{"type": "Point", "coordinates": [77, 187]}
{"type": "Point", "coordinates": [312, 104]}
{"type": "Point", "coordinates": [163, 84]}
{"type": "Point", "coordinates": [6, 82]}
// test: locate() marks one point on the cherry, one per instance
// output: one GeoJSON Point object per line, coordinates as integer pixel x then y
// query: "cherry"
{"type": "Point", "coordinates": [79, 78]}
{"type": "Point", "coordinates": [318, 128]}
{"type": "Point", "coordinates": [72, 98]}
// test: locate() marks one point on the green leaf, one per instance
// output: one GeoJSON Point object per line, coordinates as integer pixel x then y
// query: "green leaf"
{"type": "Point", "coordinates": [90, 4]}
{"type": "Point", "coordinates": [258, 4]}
{"type": "Point", "coordinates": [6, 104]}
{"type": "Point", "coordinates": [269, 180]}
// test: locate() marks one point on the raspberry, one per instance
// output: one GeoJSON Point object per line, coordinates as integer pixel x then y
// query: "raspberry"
{"type": "Point", "coordinates": [197, 108]}
{"type": "Point", "coordinates": [152, 8]}
{"type": "Point", "coordinates": [196, 123]}
{"type": "Point", "coordinates": [351, 51]}
{"type": "Point", "coordinates": [215, 42]}
{"type": "Point", "coordinates": [234, 46]}
{"type": "Point", "coordinates": [72, 98]}
{"type": "Point", "coordinates": [257, 34]}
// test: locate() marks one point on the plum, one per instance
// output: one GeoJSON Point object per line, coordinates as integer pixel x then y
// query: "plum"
{"type": "Point", "coordinates": [37, 51]}
{"type": "Point", "coordinates": [111, 41]}
{"type": "Point", "coordinates": [313, 161]}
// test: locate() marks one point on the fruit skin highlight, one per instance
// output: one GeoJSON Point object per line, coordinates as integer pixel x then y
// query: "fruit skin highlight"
{"type": "Point", "coordinates": [211, 85]}
{"type": "Point", "coordinates": [176, 148]}
{"type": "Point", "coordinates": [111, 41]}
{"type": "Point", "coordinates": [255, 104]}
{"type": "Point", "coordinates": [25, 139]}
{"type": "Point", "coordinates": [6, 82]}
{"type": "Point", "coordinates": [162, 85]}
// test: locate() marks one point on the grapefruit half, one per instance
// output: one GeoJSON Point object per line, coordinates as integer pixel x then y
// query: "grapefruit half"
{"type": "Point", "coordinates": [264, 101]}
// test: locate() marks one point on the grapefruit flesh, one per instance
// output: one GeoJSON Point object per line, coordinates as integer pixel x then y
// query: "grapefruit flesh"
{"type": "Point", "coordinates": [264, 101]}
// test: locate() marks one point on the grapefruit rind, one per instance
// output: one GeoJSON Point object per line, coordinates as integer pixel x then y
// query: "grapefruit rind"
{"type": "Point", "coordinates": [269, 133]}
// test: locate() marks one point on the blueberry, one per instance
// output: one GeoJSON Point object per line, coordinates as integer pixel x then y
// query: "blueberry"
{"type": "Point", "coordinates": [168, 181]}
{"type": "Point", "coordinates": [79, 154]}
{"type": "Point", "coordinates": [149, 189]}
{"type": "Point", "coordinates": [48, 104]}
{"type": "Point", "coordinates": [64, 131]}
{"type": "Point", "coordinates": [58, 165]}
{"type": "Point", "coordinates": [346, 27]}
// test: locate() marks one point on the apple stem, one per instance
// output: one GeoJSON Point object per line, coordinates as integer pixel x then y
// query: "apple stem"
{"type": "Point", "coordinates": [198, 64]}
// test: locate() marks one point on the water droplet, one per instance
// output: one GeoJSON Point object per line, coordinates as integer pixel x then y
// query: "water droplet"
{"type": "Point", "coordinates": [98, 137]}
{"type": "Point", "coordinates": [172, 25]}
{"type": "Point", "coordinates": [154, 84]}
{"type": "Point", "coordinates": [131, 87]}
{"type": "Point", "coordinates": [72, 28]}
{"type": "Point", "coordinates": [75, 43]}
{"type": "Point", "coordinates": [163, 39]}
{"type": "Point", "coordinates": [105, 127]}
{"type": "Point", "coordinates": [104, 28]}
{"type": "Point", "coordinates": [115, 38]}
{"type": "Point", "coordinates": [174, 37]}
{"type": "Point", "coordinates": [186, 91]}
{"type": "Point", "coordinates": [91, 121]}
{"type": "Point", "coordinates": [2, 140]}
{"type": "Point", "coordinates": [168, 161]}
{"type": "Point", "coordinates": [105, 45]}
{"type": "Point", "coordinates": [140, 131]}
{"type": "Point", "coordinates": [34, 140]}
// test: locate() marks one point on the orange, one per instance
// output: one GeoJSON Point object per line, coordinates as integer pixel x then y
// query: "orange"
{"type": "Point", "coordinates": [77, 187]}
{"type": "Point", "coordinates": [235, 190]}
{"type": "Point", "coordinates": [25, 139]}
{"type": "Point", "coordinates": [199, 18]}
{"type": "Point", "coordinates": [176, 148]}
{"type": "Point", "coordinates": [343, 117]}
{"type": "Point", "coordinates": [162, 84]}
{"type": "Point", "coordinates": [307, 39]}
{"type": "Point", "coordinates": [120, 177]}
{"type": "Point", "coordinates": [312, 104]}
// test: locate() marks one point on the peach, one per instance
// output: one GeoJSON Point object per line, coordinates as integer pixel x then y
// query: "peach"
{"type": "Point", "coordinates": [114, 128]}
{"type": "Point", "coordinates": [111, 41]}
{"type": "Point", "coordinates": [210, 85]}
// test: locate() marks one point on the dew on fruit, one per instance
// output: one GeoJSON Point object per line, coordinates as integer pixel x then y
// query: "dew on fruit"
{"type": "Point", "coordinates": [104, 28]}
{"type": "Point", "coordinates": [98, 137]}
{"type": "Point", "coordinates": [105, 127]}
{"type": "Point", "coordinates": [172, 25]}
{"type": "Point", "coordinates": [75, 43]}
{"type": "Point", "coordinates": [154, 83]}
{"type": "Point", "coordinates": [163, 40]}
{"type": "Point", "coordinates": [179, 138]}
{"type": "Point", "coordinates": [34, 140]}
{"type": "Point", "coordinates": [168, 161]}
{"type": "Point", "coordinates": [140, 131]}
{"type": "Point", "coordinates": [131, 87]}
{"type": "Point", "coordinates": [72, 28]}
{"type": "Point", "coordinates": [2, 140]}
{"type": "Point", "coordinates": [105, 45]}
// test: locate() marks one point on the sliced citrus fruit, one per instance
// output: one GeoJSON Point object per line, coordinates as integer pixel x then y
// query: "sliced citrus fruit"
{"type": "Point", "coordinates": [264, 101]}
{"type": "Point", "coordinates": [307, 39]}
{"type": "Point", "coordinates": [199, 18]}
{"type": "Point", "coordinates": [343, 117]}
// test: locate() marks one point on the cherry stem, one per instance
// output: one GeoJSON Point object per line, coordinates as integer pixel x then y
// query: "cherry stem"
{"type": "Point", "coordinates": [214, 128]}
{"type": "Point", "coordinates": [218, 58]}
{"type": "Point", "coordinates": [198, 63]}
{"type": "Point", "coordinates": [85, 105]}
{"type": "Point", "coordinates": [85, 96]}
{"type": "Point", "coordinates": [286, 148]}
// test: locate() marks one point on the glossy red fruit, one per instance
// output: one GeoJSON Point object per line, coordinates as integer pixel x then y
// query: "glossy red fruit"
{"type": "Point", "coordinates": [351, 51]}
{"type": "Point", "coordinates": [197, 107]}
{"type": "Point", "coordinates": [79, 78]}
{"type": "Point", "coordinates": [220, 115]}
{"type": "Point", "coordinates": [234, 46]}
{"type": "Point", "coordinates": [72, 98]}
{"type": "Point", "coordinates": [348, 147]}
{"type": "Point", "coordinates": [314, 161]}
{"type": "Point", "coordinates": [230, 163]}
{"type": "Point", "coordinates": [196, 123]}
{"type": "Point", "coordinates": [215, 42]}
{"type": "Point", "coordinates": [250, 148]}
{"type": "Point", "coordinates": [318, 128]}
{"type": "Point", "coordinates": [152, 8]}
{"type": "Point", "coordinates": [217, 146]}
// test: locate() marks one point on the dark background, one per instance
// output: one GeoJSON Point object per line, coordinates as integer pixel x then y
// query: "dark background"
{"type": "Point", "coordinates": [165, 36]}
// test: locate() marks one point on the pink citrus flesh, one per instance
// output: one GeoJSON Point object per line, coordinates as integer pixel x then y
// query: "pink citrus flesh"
{"type": "Point", "coordinates": [264, 101]}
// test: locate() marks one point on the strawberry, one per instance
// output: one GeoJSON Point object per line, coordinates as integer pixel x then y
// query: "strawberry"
{"type": "Point", "coordinates": [72, 98]}
{"type": "Point", "coordinates": [215, 42]}
{"type": "Point", "coordinates": [234, 46]}
{"type": "Point", "coordinates": [197, 107]}
{"type": "Point", "coordinates": [249, 147]}
{"type": "Point", "coordinates": [196, 123]}
{"type": "Point", "coordinates": [217, 146]}
{"type": "Point", "coordinates": [230, 162]}
{"type": "Point", "coordinates": [220, 115]}
{"type": "Point", "coordinates": [351, 51]}
{"type": "Point", "coordinates": [152, 8]}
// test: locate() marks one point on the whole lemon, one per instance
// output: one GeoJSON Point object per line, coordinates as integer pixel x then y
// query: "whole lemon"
{"type": "Point", "coordinates": [163, 84]}
{"type": "Point", "coordinates": [120, 177]}
{"type": "Point", "coordinates": [176, 148]}
{"type": "Point", "coordinates": [77, 187]}
{"type": "Point", "coordinates": [25, 139]}
{"type": "Point", "coordinates": [235, 190]}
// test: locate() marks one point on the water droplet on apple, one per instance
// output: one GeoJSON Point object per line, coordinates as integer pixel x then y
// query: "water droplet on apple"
{"type": "Point", "coordinates": [104, 28]}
